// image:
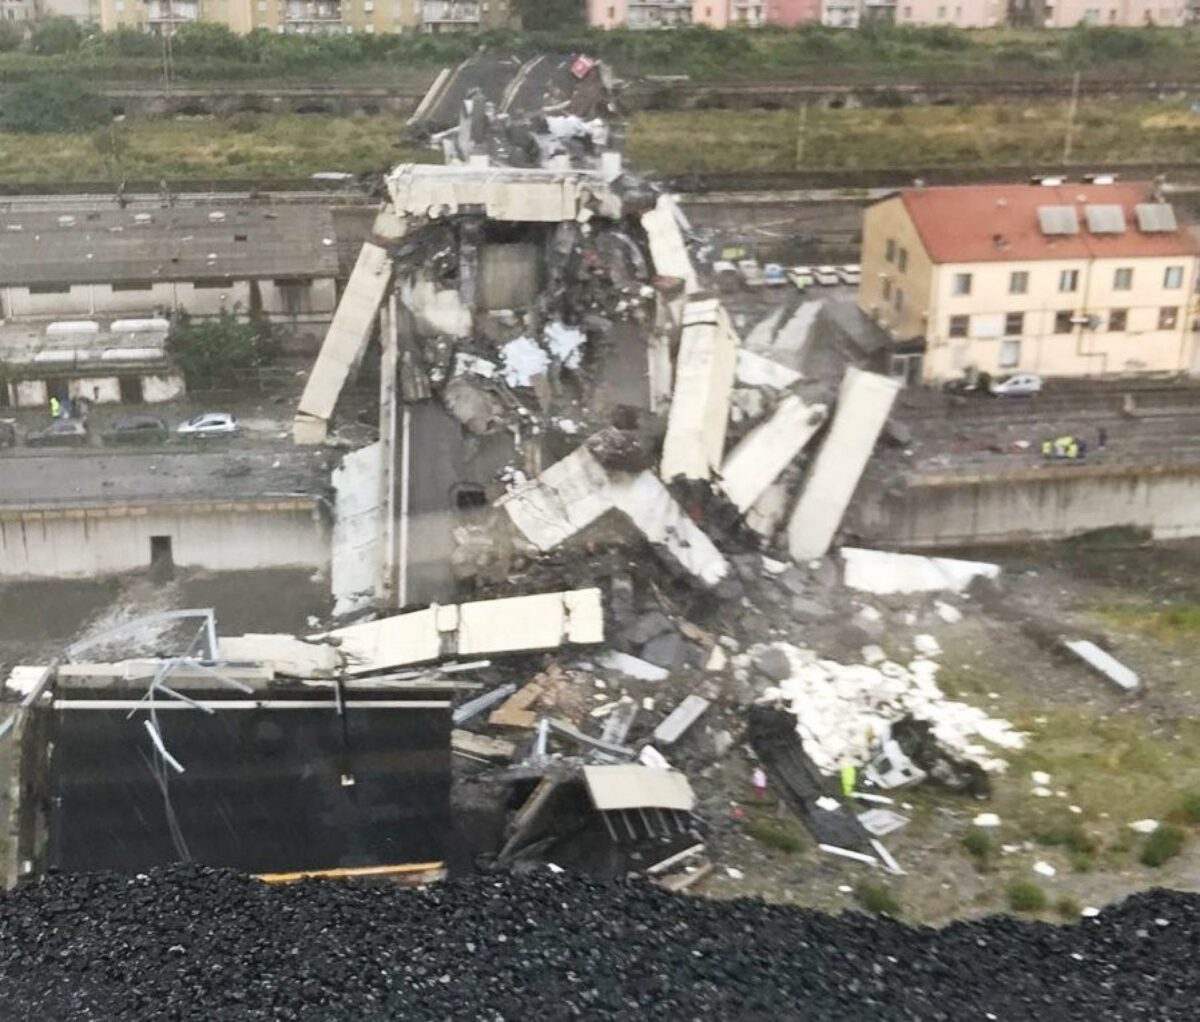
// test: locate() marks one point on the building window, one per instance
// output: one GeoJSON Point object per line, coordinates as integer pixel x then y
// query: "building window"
{"type": "Point", "coordinates": [887, 289]}
{"type": "Point", "coordinates": [370, 29]}
{"type": "Point", "coordinates": [1168, 316]}
{"type": "Point", "coordinates": [612, 13]}
{"type": "Point", "coordinates": [962, 283]}
{"type": "Point", "coordinates": [1010, 354]}
{"type": "Point", "coordinates": [1068, 280]}
{"type": "Point", "coordinates": [262, 6]}
{"type": "Point", "coordinates": [1018, 282]}
{"type": "Point", "coordinates": [1173, 277]}
{"type": "Point", "coordinates": [134, 285]}
{"type": "Point", "coordinates": [890, 252]}
{"type": "Point", "coordinates": [960, 326]}
{"type": "Point", "coordinates": [1117, 320]}
{"type": "Point", "coordinates": [50, 289]}
{"type": "Point", "coordinates": [1062, 321]}
{"type": "Point", "coordinates": [902, 259]}
{"type": "Point", "coordinates": [1014, 324]}
{"type": "Point", "coordinates": [1123, 279]}
{"type": "Point", "coordinates": [898, 299]}
{"type": "Point", "coordinates": [941, 14]}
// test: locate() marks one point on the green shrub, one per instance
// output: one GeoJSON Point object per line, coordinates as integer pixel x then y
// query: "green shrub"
{"type": "Point", "coordinates": [11, 36]}
{"type": "Point", "coordinates": [50, 105]}
{"type": "Point", "coordinates": [982, 847]}
{"type": "Point", "coordinates": [214, 353]}
{"type": "Point", "coordinates": [1025, 896]}
{"type": "Point", "coordinates": [1081, 862]}
{"type": "Point", "coordinates": [876, 898]}
{"type": "Point", "coordinates": [1066, 834]}
{"type": "Point", "coordinates": [56, 35]}
{"type": "Point", "coordinates": [774, 834]}
{"type": "Point", "coordinates": [1067, 908]}
{"type": "Point", "coordinates": [1189, 807]}
{"type": "Point", "coordinates": [1163, 844]}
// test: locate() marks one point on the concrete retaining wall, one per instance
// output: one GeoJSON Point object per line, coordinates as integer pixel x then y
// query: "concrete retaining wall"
{"type": "Point", "coordinates": [1016, 507]}
{"type": "Point", "coordinates": [216, 536]}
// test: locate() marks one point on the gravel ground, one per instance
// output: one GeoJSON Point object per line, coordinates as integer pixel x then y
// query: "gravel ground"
{"type": "Point", "coordinates": [189, 943]}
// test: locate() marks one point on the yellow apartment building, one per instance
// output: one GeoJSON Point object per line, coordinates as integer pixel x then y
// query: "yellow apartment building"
{"type": "Point", "coordinates": [1059, 279]}
{"type": "Point", "coordinates": [308, 16]}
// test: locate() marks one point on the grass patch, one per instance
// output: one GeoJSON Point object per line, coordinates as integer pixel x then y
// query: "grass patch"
{"type": "Point", "coordinates": [1068, 908]}
{"type": "Point", "coordinates": [1189, 807]}
{"type": "Point", "coordinates": [1163, 845]}
{"type": "Point", "coordinates": [1082, 862]}
{"type": "Point", "coordinates": [982, 847]}
{"type": "Point", "coordinates": [876, 898]}
{"type": "Point", "coordinates": [775, 834]}
{"type": "Point", "coordinates": [1170, 622]}
{"type": "Point", "coordinates": [279, 145]}
{"type": "Point", "coordinates": [1025, 896]}
{"type": "Point", "coordinates": [984, 134]}
{"type": "Point", "coordinates": [1067, 834]}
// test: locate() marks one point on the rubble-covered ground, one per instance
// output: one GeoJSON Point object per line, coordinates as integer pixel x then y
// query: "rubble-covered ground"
{"type": "Point", "coordinates": [188, 943]}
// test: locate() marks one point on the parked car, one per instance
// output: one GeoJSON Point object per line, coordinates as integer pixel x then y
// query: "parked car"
{"type": "Point", "coordinates": [801, 277]}
{"type": "Point", "coordinates": [826, 276]}
{"type": "Point", "coordinates": [138, 429]}
{"type": "Point", "coordinates": [1016, 385]}
{"type": "Point", "coordinates": [752, 274]}
{"type": "Point", "coordinates": [851, 273]}
{"type": "Point", "coordinates": [208, 424]}
{"type": "Point", "coordinates": [773, 274]}
{"type": "Point", "coordinates": [8, 433]}
{"type": "Point", "coordinates": [60, 433]}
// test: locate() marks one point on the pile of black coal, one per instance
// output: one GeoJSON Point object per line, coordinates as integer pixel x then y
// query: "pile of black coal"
{"type": "Point", "coordinates": [190, 943]}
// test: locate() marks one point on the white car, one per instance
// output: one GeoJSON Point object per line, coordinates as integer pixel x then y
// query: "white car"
{"type": "Point", "coordinates": [850, 274]}
{"type": "Point", "coordinates": [1016, 385]}
{"type": "Point", "coordinates": [801, 276]}
{"type": "Point", "coordinates": [826, 276]}
{"type": "Point", "coordinates": [208, 424]}
{"type": "Point", "coordinates": [752, 274]}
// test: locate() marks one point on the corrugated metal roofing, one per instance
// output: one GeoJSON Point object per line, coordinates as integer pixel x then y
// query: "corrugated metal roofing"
{"type": "Point", "coordinates": [999, 223]}
{"type": "Point", "coordinates": [182, 243]}
{"type": "Point", "coordinates": [1108, 219]}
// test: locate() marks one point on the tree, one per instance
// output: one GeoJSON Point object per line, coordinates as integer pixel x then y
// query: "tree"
{"type": "Point", "coordinates": [208, 39]}
{"type": "Point", "coordinates": [51, 104]}
{"type": "Point", "coordinates": [11, 36]}
{"type": "Point", "coordinates": [56, 35]}
{"type": "Point", "coordinates": [548, 15]}
{"type": "Point", "coordinates": [214, 353]}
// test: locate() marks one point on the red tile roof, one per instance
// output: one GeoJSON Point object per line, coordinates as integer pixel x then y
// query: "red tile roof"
{"type": "Point", "coordinates": [999, 223]}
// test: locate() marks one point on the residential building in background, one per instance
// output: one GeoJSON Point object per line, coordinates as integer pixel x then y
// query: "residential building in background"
{"type": "Point", "coordinates": [787, 13]}
{"type": "Point", "coordinates": [958, 13]}
{"type": "Point", "coordinates": [86, 12]}
{"type": "Point", "coordinates": [308, 16]}
{"type": "Point", "coordinates": [18, 10]}
{"type": "Point", "coordinates": [1064, 280]}
{"type": "Point", "coordinates": [1122, 13]}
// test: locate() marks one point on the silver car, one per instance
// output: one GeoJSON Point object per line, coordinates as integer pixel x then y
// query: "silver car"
{"type": "Point", "coordinates": [1016, 385]}
{"type": "Point", "coordinates": [208, 424]}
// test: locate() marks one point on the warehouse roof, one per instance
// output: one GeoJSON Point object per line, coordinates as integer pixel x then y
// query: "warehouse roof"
{"type": "Point", "coordinates": [1003, 223]}
{"type": "Point", "coordinates": [182, 243]}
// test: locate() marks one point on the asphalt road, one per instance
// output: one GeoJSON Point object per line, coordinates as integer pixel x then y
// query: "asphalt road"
{"type": "Point", "coordinates": [89, 476]}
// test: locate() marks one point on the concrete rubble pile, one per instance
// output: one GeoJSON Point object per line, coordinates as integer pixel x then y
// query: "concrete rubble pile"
{"type": "Point", "coordinates": [544, 947]}
{"type": "Point", "coordinates": [565, 409]}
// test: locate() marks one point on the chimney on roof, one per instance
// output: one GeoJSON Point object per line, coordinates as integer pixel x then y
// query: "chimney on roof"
{"type": "Point", "coordinates": [1159, 192]}
{"type": "Point", "coordinates": [1002, 203]}
{"type": "Point", "coordinates": [999, 240]}
{"type": "Point", "coordinates": [918, 182]}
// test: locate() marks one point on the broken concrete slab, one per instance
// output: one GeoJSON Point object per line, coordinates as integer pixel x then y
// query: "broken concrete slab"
{"type": "Point", "coordinates": [1104, 664]}
{"type": "Point", "coordinates": [285, 655]}
{"type": "Point", "coordinates": [881, 822]}
{"type": "Point", "coordinates": [763, 453]}
{"type": "Point", "coordinates": [773, 663]}
{"type": "Point", "coordinates": [677, 722]}
{"type": "Point", "coordinates": [694, 444]}
{"type": "Point", "coordinates": [619, 722]}
{"type": "Point", "coordinates": [345, 342]}
{"type": "Point", "coordinates": [355, 547]}
{"type": "Point", "coordinates": [633, 786]}
{"type": "Point", "coordinates": [883, 572]}
{"type": "Point", "coordinates": [481, 746]}
{"type": "Point", "coordinates": [754, 370]}
{"type": "Point", "coordinates": [514, 624]}
{"type": "Point", "coordinates": [665, 650]}
{"type": "Point", "coordinates": [864, 403]}
{"type": "Point", "coordinates": [574, 492]}
{"type": "Point", "coordinates": [631, 666]}
{"type": "Point", "coordinates": [667, 246]}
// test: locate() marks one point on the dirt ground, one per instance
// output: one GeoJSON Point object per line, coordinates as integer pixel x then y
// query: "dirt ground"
{"type": "Point", "coordinates": [1112, 758]}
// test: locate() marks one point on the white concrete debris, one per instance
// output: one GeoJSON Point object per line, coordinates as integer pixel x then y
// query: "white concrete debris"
{"type": "Point", "coordinates": [986, 820]}
{"type": "Point", "coordinates": [631, 666]}
{"type": "Point", "coordinates": [883, 572]}
{"type": "Point", "coordinates": [357, 529]}
{"type": "Point", "coordinates": [24, 678]}
{"type": "Point", "coordinates": [1044, 869]}
{"type": "Point", "coordinates": [947, 612]}
{"type": "Point", "coordinates": [1144, 826]}
{"type": "Point", "coordinates": [699, 417]}
{"type": "Point", "coordinates": [565, 343]}
{"type": "Point", "coordinates": [754, 370]}
{"type": "Point", "coordinates": [524, 360]}
{"type": "Point", "coordinates": [667, 246]}
{"type": "Point", "coordinates": [843, 710]}
{"type": "Point", "coordinates": [763, 453]}
{"type": "Point", "coordinates": [926, 645]}
{"type": "Point", "coordinates": [881, 822]}
{"type": "Point", "coordinates": [436, 311]}
{"type": "Point", "coordinates": [677, 722]}
{"type": "Point", "coordinates": [574, 492]}
{"type": "Point", "coordinates": [864, 403]}
{"type": "Point", "coordinates": [283, 654]}
{"type": "Point", "coordinates": [514, 624]}
{"type": "Point", "coordinates": [520, 194]}
{"type": "Point", "coordinates": [465, 362]}
{"type": "Point", "coordinates": [345, 341]}
{"type": "Point", "coordinates": [1040, 777]}
{"type": "Point", "coordinates": [1104, 664]}
{"type": "Point", "coordinates": [793, 335]}
{"type": "Point", "coordinates": [769, 511]}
